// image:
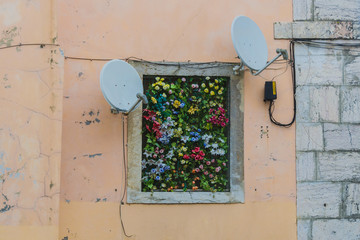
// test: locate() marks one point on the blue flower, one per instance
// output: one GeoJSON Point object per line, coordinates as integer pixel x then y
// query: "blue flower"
{"type": "Point", "coordinates": [153, 170]}
{"type": "Point", "coordinates": [182, 105]}
{"type": "Point", "coordinates": [193, 139]}
{"type": "Point", "coordinates": [167, 168]}
{"type": "Point", "coordinates": [175, 112]}
{"type": "Point", "coordinates": [157, 178]}
{"type": "Point", "coordinates": [199, 130]}
{"type": "Point", "coordinates": [161, 170]}
{"type": "Point", "coordinates": [205, 144]}
{"type": "Point", "coordinates": [192, 134]}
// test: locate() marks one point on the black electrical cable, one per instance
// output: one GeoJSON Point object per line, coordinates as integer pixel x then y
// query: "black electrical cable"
{"type": "Point", "coordinates": [272, 103]}
{"type": "Point", "coordinates": [125, 177]}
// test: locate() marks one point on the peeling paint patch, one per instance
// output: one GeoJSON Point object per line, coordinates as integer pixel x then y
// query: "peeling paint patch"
{"type": "Point", "coordinates": [7, 36]}
{"type": "Point", "coordinates": [6, 207]}
{"type": "Point", "coordinates": [92, 114]}
{"type": "Point", "coordinates": [93, 155]}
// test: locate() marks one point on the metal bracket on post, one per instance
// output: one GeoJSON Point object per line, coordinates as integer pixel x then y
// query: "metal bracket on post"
{"type": "Point", "coordinates": [280, 52]}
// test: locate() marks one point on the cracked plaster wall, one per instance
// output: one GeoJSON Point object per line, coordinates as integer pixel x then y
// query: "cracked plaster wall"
{"type": "Point", "coordinates": [30, 122]}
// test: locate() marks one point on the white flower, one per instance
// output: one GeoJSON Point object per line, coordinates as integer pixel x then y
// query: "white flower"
{"type": "Point", "coordinates": [221, 140]}
{"type": "Point", "coordinates": [185, 138]}
{"type": "Point", "coordinates": [215, 145]}
{"type": "Point", "coordinates": [147, 154]}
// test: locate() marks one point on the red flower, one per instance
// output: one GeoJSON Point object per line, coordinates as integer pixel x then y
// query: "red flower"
{"type": "Point", "coordinates": [186, 156]}
{"type": "Point", "coordinates": [202, 153]}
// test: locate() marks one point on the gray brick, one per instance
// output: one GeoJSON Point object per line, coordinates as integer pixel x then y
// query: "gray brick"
{"type": "Point", "coordinates": [304, 229]}
{"type": "Point", "coordinates": [337, 10]}
{"type": "Point", "coordinates": [319, 70]}
{"type": "Point", "coordinates": [303, 109]}
{"type": "Point", "coordinates": [341, 136]}
{"type": "Point", "coordinates": [309, 137]}
{"type": "Point", "coordinates": [302, 10]}
{"type": "Point", "coordinates": [324, 105]}
{"type": "Point", "coordinates": [352, 200]}
{"type": "Point", "coordinates": [336, 229]}
{"type": "Point", "coordinates": [339, 166]}
{"type": "Point", "coordinates": [318, 199]}
{"type": "Point", "coordinates": [305, 166]}
{"type": "Point", "coordinates": [303, 49]}
{"type": "Point", "coordinates": [350, 104]}
{"type": "Point", "coordinates": [352, 70]}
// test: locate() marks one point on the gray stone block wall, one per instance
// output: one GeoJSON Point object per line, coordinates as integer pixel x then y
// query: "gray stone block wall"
{"type": "Point", "coordinates": [328, 117]}
{"type": "Point", "coordinates": [328, 142]}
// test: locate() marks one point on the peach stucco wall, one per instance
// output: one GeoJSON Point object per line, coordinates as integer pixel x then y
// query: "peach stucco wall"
{"type": "Point", "coordinates": [91, 143]}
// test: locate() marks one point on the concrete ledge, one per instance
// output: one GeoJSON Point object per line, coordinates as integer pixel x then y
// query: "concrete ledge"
{"type": "Point", "coordinates": [317, 30]}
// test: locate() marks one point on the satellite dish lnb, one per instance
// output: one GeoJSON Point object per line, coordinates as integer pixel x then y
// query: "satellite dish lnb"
{"type": "Point", "coordinates": [121, 86]}
{"type": "Point", "coordinates": [250, 45]}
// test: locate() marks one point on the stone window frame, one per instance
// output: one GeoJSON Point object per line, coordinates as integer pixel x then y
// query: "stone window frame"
{"type": "Point", "coordinates": [134, 137]}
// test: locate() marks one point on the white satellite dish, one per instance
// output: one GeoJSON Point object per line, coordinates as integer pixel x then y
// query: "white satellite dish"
{"type": "Point", "coordinates": [250, 45]}
{"type": "Point", "coordinates": [121, 86]}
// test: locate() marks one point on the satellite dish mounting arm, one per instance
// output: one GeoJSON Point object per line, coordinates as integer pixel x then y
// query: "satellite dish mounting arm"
{"type": "Point", "coordinates": [141, 97]}
{"type": "Point", "coordinates": [280, 52]}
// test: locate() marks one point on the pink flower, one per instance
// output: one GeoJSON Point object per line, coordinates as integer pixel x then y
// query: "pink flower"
{"type": "Point", "coordinates": [202, 153]}
{"type": "Point", "coordinates": [162, 156]}
{"type": "Point", "coordinates": [197, 149]}
{"type": "Point", "coordinates": [197, 170]}
{"type": "Point", "coordinates": [157, 151]}
{"type": "Point", "coordinates": [154, 156]}
{"type": "Point", "coordinates": [217, 169]}
{"type": "Point", "coordinates": [201, 166]}
{"type": "Point", "coordinates": [223, 124]}
{"type": "Point", "coordinates": [170, 92]}
{"type": "Point", "coordinates": [201, 158]}
{"type": "Point", "coordinates": [186, 156]}
{"type": "Point", "coordinates": [162, 150]}
{"type": "Point", "coordinates": [212, 160]}
{"type": "Point", "coordinates": [224, 164]}
{"type": "Point", "coordinates": [206, 173]}
{"type": "Point", "coordinates": [211, 176]}
{"type": "Point", "coordinates": [193, 155]}
{"type": "Point", "coordinates": [208, 163]}
{"type": "Point", "coordinates": [197, 157]}
{"type": "Point", "coordinates": [183, 79]}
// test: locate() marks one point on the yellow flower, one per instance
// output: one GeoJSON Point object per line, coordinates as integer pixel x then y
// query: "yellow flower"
{"type": "Point", "coordinates": [192, 110]}
{"type": "Point", "coordinates": [176, 104]}
{"type": "Point", "coordinates": [153, 84]}
{"type": "Point", "coordinates": [211, 85]}
{"type": "Point", "coordinates": [180, 154]}
{"type": "Point", "coordinates": [162, 79]}
{"type": "Point", "coordinates": [153, 100]}
{"type": "Point", "coordinates": [206, 90]}
{"type": "Point", "coordinates": [203, 85]}
{"type": "Point", "coordinates": [216, 81]}
{"type": "Point", "coordinates": [157, 88]}
{"type": "Point", "coordinates": [220, 92]}
{"type": "Point", "coordinates": [166, 86]}
{"type": "Point", "coordinates": [212, 93]}
{"type": "Point", "coordinates": [162, 84]}
{"type": "Point", "coordinates": [157, 78]}
{"type": "Point", "coordinates": [222, 89]}
{"type": "Point", "coordinates": [216, 87]}
{"type": "Point", "coordinates": [164, 95]}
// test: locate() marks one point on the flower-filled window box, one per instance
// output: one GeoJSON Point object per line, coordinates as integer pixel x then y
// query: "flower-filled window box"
{"type": "Point", "coordinates": [185, 130]}
{"type": "Point", "coordinates": [186, 145]}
